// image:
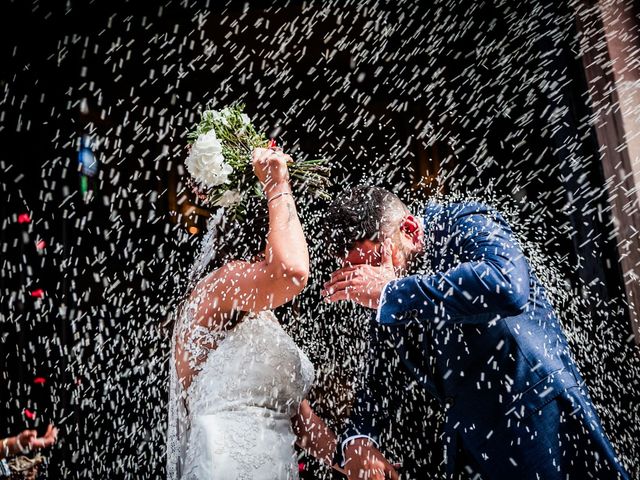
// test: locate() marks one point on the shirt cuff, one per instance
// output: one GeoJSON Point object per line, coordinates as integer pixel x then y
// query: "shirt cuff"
{"type": "Point", "coordinates": [351, 438]}
{"type": "Point", "coordinates": [5, 471]}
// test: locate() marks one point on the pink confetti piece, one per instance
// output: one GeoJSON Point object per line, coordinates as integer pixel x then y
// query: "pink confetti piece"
{"type": "Point", "coordinates": [39, 380]}
{"type": "Point", "coordinates": [38, 293]}
{"type": "Point", "coordinates": [40, 245]}
{"type": "Point", "coordinates": [24, 218]}
{"type": "Point", "coordinates": [29, 414]}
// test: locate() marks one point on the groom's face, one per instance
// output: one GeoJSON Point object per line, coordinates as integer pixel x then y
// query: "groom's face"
{"type": "Point", "coordinates": [406, 235]}
{"type": "Point", "coordinates": [364, 252]}
{"type": "Point", "coordinates": [404, 249]}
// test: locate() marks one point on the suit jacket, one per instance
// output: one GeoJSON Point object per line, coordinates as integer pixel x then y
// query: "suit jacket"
{"type": "Point", "coordinates": [480, 335]}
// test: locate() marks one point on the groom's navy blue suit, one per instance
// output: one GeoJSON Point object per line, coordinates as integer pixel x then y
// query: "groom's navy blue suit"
{"type": "Point", "coordinates": [481, 336]}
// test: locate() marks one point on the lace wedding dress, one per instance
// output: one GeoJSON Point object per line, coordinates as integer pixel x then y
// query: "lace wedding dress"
{"type": "Point", "coordinates": [233, 421]}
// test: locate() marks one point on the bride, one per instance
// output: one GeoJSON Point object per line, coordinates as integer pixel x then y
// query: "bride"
{"type": "Point", "coordinates": [238, 380]}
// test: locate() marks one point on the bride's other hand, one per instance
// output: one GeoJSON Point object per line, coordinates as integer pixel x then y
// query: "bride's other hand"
{"type": "Point", "coordinates": [270, 166]}
{"type": "Point", "coordinates": [313, 435]}
{"type": "Point", "coordinates": [364, 461]}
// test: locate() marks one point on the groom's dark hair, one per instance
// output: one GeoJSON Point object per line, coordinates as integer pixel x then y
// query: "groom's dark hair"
{"type": "Point", "coordinates": [360, 213]}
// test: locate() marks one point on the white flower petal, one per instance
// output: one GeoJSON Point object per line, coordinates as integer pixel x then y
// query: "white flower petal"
{"type": "Point", "coordinates": [229, 198]}
{"type": "Point", "coordinates": [206, 163]}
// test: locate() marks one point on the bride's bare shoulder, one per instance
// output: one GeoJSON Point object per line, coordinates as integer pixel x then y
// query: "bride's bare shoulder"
{"type": "Point", "coordinates": [207, 301]}
{"type": "Point", "coordinates": [217, 278]}
{"type": "Point", "coordinates": [246, 286]}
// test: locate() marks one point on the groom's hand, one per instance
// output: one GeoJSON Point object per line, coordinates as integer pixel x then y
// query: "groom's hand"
{"type": "Point", "coordinates": [361, 283]}
{"type": "Point", "coordinates": [363, 461]}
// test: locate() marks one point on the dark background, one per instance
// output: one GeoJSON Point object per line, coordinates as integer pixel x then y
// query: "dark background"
{"type": "Point", "coordinates": [482, 98]}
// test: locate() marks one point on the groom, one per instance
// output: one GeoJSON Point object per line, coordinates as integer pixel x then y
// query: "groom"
{"type": "Point", "coordinates": [478, 333]}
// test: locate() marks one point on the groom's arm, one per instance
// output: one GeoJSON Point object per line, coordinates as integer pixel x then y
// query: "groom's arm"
{"type": "Point", "coordinates": [491, 280]}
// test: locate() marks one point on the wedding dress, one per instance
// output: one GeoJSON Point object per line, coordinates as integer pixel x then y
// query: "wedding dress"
{"type": "Point", "coordinates": [233, 421]}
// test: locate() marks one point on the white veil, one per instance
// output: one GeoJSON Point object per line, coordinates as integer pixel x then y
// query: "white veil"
{"type": "Point", "coordinates": [179, 421]}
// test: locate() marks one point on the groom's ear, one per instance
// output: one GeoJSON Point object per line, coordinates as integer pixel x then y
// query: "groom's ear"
{"type": "Point", "coordinates": [410, 225]}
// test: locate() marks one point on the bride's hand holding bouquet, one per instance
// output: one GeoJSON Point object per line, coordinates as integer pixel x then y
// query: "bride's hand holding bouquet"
{"type": "Point", "coordinates": [270, 166]}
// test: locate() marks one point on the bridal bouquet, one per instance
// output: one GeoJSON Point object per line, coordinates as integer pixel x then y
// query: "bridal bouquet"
{"type": "Point", "coordinates": [220, 164]}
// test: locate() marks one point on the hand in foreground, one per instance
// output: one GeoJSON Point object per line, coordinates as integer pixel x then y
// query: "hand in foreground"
{"type": "Point", "coordinates": [364, 462]}
{"type": "Point", "coordinates": [49, 438]}
{"type": "Point", "coordinates": [270, 166]}
{"type": "Point", "coordinates": [361, 283]}
{"type": "Point", "coordinates": [28, 439]}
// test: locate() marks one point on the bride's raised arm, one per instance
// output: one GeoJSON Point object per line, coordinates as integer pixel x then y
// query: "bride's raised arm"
{"type": "Point", "coordinates": [284, 270]}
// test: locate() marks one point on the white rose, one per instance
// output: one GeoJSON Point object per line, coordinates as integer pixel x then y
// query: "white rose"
{"type": "Point", "coordinates": [229, 198]}
{"type": "Point", "coordinates": [208, 141]}
{"type": "Point", "coordinates": [245, 118]}
{"type": "Point", "coordinates": [206, 163]}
